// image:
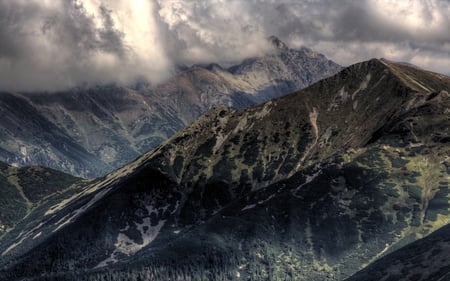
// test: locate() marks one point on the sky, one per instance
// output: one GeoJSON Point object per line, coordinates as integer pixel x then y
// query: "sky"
{"type": "Point", "coordinates": [57, 44]}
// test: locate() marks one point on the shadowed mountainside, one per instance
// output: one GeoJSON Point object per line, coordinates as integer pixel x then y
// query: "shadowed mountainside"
{"type": "Point", "coordinates": [24, 189]}
{"type": "Point", "coordinates": [315, 185]}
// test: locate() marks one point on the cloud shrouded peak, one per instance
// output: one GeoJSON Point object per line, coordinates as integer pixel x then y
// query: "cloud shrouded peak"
{"type": "Point", "coordinates": [49, 45]}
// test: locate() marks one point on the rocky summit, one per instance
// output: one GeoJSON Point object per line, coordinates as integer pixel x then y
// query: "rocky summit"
{"type": "Point", "coordinates": [343, 176]}
{"type": "Point", "coordinates": [91, 131]}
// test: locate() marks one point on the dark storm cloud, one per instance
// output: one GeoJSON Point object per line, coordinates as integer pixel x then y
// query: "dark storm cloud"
{"type": "Point", "coordinates": [63, 43]}
{"type": "Point", "coordinates": [69, 26]}
{"type": "Point", "coordinates": [110, 39]}
{"type": "Point", "coordinates": [11, 30]}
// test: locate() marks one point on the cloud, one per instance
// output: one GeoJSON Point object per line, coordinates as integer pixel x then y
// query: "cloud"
{"type": "Point", "coordinates": [50, 45]}
{"type": "Point", "coordinates": [351, 31]}
{"type": "Point", "coordinates": [214, 30]}
{"type": "Point", "coordinates": [56, 44]}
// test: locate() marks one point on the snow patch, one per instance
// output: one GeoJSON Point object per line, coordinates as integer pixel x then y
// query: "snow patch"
{"type": "Point", "coordinates": [414, 81]}
{"type": "Point", "coordinates": [241, 125]}
{"type": "Point", "coordinates": [384, 250]}
{"type": "Point", "coordinates": [111, 260]}
{"type": "Point", "coordinates": [312, 177]}
{"type": "Point", "coordinates": [23, 151]}
{"type": "Point", "coordinates": [379, 81]}
{"type": "Point", "coordinates": [22, 236]}
{"type": "Point", "coordinates": [340, 98]}
{"type": "Point", "coordinates": [325, 137]}
{"type": "Point", "coordinates": [127, 246]}
{"type": "Point", "coordinates": [105, 186]}
{"type": "Point", "coordinates": [13, 245]}
{"type": "Point", "coordinates": [355, 105]}
{"type": "Point", "coordinates": [248, 207]}
{"type": "Point", "coordinates": [89, 190]}
{"type": "Point", "coordinates": [125, 229]}
{"type": "Point", "coordinates": [264, 111]}
{"type": "Point", "coordinates": [363, 85]}
{"type": "Point", "coordinates": [220, 139]}
{"type": "Point", "coordinates": [148, 232]}
{"type": "Point", "coordinates": [59, 206]}
{"type": "Point", "coordinates": [265, 200]}
{"type": "Point", "coordinates": [309, 178]}
{"type": "Point", "coordinates": [313, 116]}
{"type": "Point", "coordinates": [343, 94]}
{"type": "Point", "coordinates": [107, 183]}
{"type": "Point", "coordinates": [260, 202]}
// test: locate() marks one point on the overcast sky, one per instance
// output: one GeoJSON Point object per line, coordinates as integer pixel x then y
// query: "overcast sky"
{"type": "Point", "coordinates": [55, 44]}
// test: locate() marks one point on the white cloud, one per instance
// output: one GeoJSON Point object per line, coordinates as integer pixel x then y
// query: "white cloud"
{"type": "Point", "coordinates": [214, 30]}
{"type": "Point", "coordinates": [59, 44]}
{"type": "Point", "coordinates": [54, 44]}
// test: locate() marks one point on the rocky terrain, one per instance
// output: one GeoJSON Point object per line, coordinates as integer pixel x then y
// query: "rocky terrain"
{"type": "Point", "coordinates": [315, 185]}
{"type": "Point", "coordinates": [425, 259]}
{"type": "Point", "coordinates": [88, 132]}
{"type": "Point", "coordinates": [24, 189]}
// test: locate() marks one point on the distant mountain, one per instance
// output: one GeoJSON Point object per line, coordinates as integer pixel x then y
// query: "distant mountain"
{"type": "Point", "coordinates": [315, 185]}
{"type": "Point", "coordinates": [89, 132]}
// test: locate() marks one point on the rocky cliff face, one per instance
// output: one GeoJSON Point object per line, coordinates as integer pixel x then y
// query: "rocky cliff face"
{"type": "Point", "coordinates": [315, 185]}
{"type": "Point", "coordinates": [89, 132]}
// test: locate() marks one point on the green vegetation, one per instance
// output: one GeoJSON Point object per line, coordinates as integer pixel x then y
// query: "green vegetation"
{"type": "Point", "coordinates": [24, 189]}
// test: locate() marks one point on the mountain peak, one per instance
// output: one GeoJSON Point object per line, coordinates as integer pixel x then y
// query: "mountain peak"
{"type": "Point", "coordinates": [277, 43]}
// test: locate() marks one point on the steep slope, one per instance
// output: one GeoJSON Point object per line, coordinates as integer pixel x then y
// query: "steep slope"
{"type": "Point", "coordinates": [23, 189]}
{"type": "Point", "coordinates": [273, 140]}
{"type": "Point", "coordinates": [88, 132]}
{"type": "Point", "coordinates": [311, 186]}
{"type": "Point", "coordinates": [28, 137]}
{"type": "Point", "coordinates": [426, 259]}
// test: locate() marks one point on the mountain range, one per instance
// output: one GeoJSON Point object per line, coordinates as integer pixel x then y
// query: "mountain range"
{"type": "Point", "coordinates": [347, 179]}
{"type": "Point", "coordinates": [88, 132]}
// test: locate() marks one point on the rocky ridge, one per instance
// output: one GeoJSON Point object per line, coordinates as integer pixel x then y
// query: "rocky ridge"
{"type": "Point", "coordinates": [91, 131]}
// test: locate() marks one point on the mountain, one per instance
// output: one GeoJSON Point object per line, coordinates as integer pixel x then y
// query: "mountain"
{"type": "Point", "coordinates": [426, 259]}
{"type": "Point", "coordinates": [91, 131]}
{"type": "Point", "coordinates": [24, 189]}
{"type": "Point", "coordinates": [315, 185]}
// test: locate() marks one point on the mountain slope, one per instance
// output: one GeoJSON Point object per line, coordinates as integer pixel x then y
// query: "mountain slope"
{"type": "Point", "coordinates": [30, 138]}
{"type": "Point", "coordinates": [89, 132]}
{"type": "Point", "coordinates": [426, 259]}
{"type": "Point", "coordinates": [315, 185]}
{"type": "Point", "coordinates": [23, 189]}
